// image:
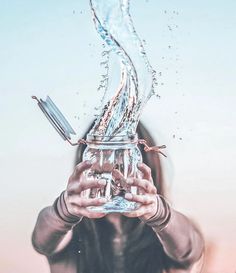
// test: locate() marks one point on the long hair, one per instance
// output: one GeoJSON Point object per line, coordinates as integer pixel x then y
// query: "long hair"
{"type": "Point", "coordinates": [143, 251]}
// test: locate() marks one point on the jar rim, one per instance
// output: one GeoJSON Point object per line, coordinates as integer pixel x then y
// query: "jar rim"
{"type": "Point", "coordinates": [131, 138]}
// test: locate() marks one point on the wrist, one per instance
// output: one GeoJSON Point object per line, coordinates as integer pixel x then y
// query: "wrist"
{"type": "Point", "coordinates": [63, 212]}
{"type": "Point", "coordinates": [161, 218]}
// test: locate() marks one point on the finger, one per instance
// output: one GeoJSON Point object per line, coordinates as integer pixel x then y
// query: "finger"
{"type": "Point", "coordinates": [80, 211]}
{"type": "Point", "coordinates": [81, 167]}
{"type": "Point", "coordinates": [86, 202]}
{"type": "Point", "coordinates": [144, 184]}
{"type": "Point", "coordinates": [142, 210]}
{"type": "Point", "coordinates": [146, 171]}
{"type": "Point", "coordinates": [117, 174]}
{"type": "Point", "coordinates": [143, 199]}
{"type": "Point", "coordinates": [78, 186]}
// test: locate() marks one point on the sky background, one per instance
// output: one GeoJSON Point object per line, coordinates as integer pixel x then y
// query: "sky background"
{"type": "Point", "coordinates": [52, 48]}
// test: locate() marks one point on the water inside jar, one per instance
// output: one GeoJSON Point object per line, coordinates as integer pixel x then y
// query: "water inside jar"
{"type": "Point", "coordinates": [114, 166]}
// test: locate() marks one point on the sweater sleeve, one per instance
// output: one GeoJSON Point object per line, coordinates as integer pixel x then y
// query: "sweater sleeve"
{"type": "Point", "coordinates": [53, 229]}
{"type": "Point", "coordinates": [181, 240]}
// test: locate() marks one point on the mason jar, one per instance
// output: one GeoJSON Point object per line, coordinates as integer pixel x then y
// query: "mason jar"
{"type": "Point", "coordinates": [109, 153]}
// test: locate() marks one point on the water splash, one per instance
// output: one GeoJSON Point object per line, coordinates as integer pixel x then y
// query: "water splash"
{"type": "Point", "coordinates": [122, 107]}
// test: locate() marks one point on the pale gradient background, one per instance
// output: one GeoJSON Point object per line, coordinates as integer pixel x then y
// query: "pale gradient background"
{"type": "Point", "coordinates": [51, 47]}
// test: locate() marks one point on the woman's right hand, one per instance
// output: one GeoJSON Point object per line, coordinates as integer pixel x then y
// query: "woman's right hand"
{"type": "Point", "coordinates": [76, 203]}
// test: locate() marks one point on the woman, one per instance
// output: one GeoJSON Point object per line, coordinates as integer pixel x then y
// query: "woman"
{"type": "Point", "coordinates": [153, 239]}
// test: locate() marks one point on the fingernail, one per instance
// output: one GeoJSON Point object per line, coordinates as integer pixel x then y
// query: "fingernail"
{"type": "Point", "coordinates": [128, 195]}
{"type": "Point", "coordinates": [102, 182]}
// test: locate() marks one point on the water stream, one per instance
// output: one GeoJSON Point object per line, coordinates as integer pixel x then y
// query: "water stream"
{"type": "Point", "coordinates": [123, 105]}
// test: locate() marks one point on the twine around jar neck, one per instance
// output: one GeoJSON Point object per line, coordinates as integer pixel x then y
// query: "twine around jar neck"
{"type": "Point", "coordinates": [135, 140]}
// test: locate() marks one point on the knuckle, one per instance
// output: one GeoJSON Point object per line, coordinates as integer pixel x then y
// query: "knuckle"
{"type": "Point", "coordinates": [148, 170]}
{"type": "Point", "coordinates": [75, 210]}
{"type": "Point", "coordinates": [146, 185]}
{"type": "Point", "coordinates": [77, 168]}
{"type": "Point", "coordinates": [70, 180]}
{"type": "Point", "coordinates": [154, 190]}
{"type": "Point", "coordinates": [69, 192]}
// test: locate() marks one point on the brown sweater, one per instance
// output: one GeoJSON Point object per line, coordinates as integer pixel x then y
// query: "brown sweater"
{"type": "Point", "coordinates": [53, 237]}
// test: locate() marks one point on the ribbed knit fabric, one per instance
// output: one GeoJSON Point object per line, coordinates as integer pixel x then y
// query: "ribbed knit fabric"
{"type": "Point", "coordinates": [161, 218]}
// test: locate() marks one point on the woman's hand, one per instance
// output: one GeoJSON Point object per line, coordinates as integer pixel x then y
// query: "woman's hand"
{"type": "Point", "coordinates": [76, 203]}
{"type": "Point", "coordinates": [147, 199]}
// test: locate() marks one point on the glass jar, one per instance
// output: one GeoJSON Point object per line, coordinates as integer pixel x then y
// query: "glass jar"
{"type": "Point", "coordinates": [107, 154]}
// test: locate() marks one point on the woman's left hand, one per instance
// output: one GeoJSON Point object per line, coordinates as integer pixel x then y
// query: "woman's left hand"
{"type": "Point", "coordinates": [147, 199]}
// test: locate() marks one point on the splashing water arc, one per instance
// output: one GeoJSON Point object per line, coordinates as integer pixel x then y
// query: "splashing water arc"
{"type": "Point", "coordinates": [120, 115]}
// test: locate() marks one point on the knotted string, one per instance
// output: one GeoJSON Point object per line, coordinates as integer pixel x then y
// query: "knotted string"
{"type": "Point", "coordinates": [143, 142]}
{"type": "Point", "coordinates": [148, 148]}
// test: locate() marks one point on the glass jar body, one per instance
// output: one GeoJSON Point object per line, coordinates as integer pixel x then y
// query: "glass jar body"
{"type": "Point", "coordinates": [114, 160]}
